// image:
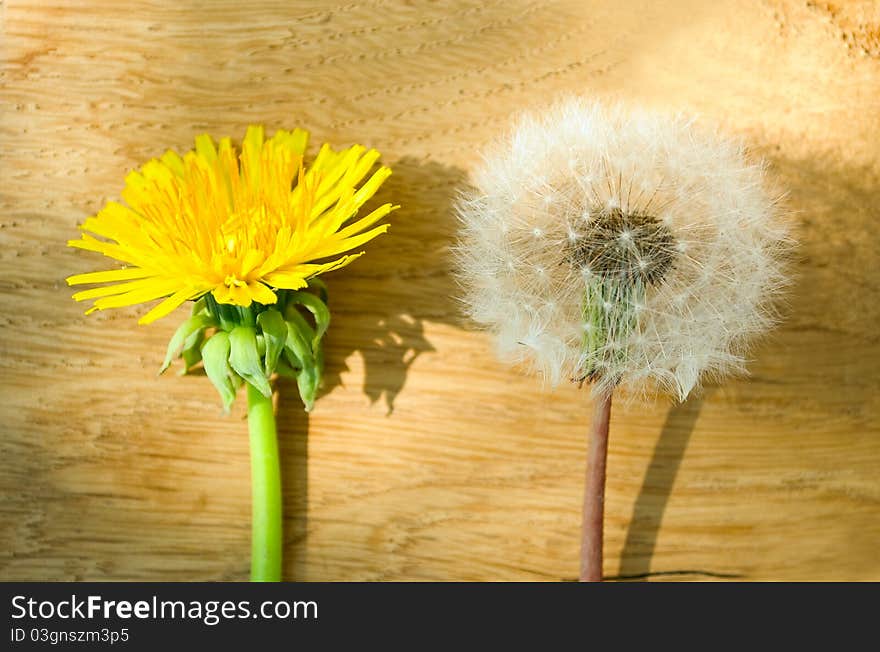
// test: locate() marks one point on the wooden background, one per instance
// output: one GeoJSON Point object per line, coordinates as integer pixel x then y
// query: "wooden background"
{"type": "Point", "coordinates": [426, 459]}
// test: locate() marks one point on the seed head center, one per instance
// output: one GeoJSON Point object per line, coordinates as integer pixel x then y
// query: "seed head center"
{"type": "Point", "coordinates": [629, 247]}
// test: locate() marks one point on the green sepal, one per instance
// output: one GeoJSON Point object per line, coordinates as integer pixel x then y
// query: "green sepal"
{"type": "Point", "coordinates": [284, 369]}
{"type": "Point", "coordinates": [252, 343]}
{"type": "Point", "coordinates": [226, 315]}
{"type": "Point", "coordinates": [317, 284]}
{"type": "Point", "coordinates": [215, 355]}
{"type": "Point", "coordinates": [181, 336]}
{"type": "Point", "coordinates": [317, 307]}
{"type": "Point", "coordinates": [309, 362]}
{"type": "Point", "coordinates": [192, 351]}
{"type": "Point", "coordinates": [245, 359]}
{"type": "Point", "coordinates": [308, 380]}
{"type": "Point", "coordinates": [297, 346]}
{"type": "Point", "coordinates": [200, 305]}
{"type": "Point", "coordinates": [274, 337]}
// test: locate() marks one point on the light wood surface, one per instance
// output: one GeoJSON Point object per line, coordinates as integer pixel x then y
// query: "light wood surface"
{"type": "Point", "coordinates": [426, 459]}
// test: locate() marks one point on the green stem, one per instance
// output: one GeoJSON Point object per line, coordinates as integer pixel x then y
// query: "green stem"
{"type": "Point", "coordinates": [265, 488]}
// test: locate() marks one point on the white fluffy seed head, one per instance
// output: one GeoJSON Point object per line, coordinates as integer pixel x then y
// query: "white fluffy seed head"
{"type": "Point", "coordinates": [621, 247]}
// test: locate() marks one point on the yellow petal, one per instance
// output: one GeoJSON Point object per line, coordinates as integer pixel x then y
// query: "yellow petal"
{"type": "Point", "coordinates": [110, 290]}
{"type": "Point", "coordinates": [347, 208]}
{"type": "Point", "coordinates": [294, 278]}
{"type": "Point", "coordinates": [364, 222]}
{"type": "Point", "coordinates": [111, 249]}
{"type": "Point", "coordinates": [109, 276]}
{"type": "Point", "coordinates": [205, 148]}
{"type": "Point", "coordinates": [237, 295]}
{"type": "Point", "coordinates": [371, 186]}
{"type": "Point", "coordinates": [222, 294]}
{"type": "Point", "coordinates": [150, 291]}
{"type": "Point", "coordinates": [173, 162]}
{"type": "Point", "coordinates": [285, 280]}
{"type": "Point", "coordinates": [337, 247]}
{"type": "Point", "coordinates": [325, 157]}
{"type": "Point", "coordinates": [168, 305]}
{"type": "Point", "coordinates": [296, 141]}
{"type": "Point", "coordinates": [251, 150]}
{"type": "Point", "coordinates": [252, 259]}
{"type": "Point", "coordinates": [332, 266]}
{"type": "Point", "coordinates": [339, 168]}
{"type": "Point", "coordinates": [261, 294]}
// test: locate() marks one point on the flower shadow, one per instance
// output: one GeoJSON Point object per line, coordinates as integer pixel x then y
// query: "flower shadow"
{"type": "Point", "coordinates": [379, 307]}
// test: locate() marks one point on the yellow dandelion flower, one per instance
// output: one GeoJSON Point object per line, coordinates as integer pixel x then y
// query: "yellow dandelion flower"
{"type": "Point", "coordinates": [238, 226]}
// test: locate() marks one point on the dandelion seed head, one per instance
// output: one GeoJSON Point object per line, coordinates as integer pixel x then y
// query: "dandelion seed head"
{"type": "Point", "coordinates": [662, 250]}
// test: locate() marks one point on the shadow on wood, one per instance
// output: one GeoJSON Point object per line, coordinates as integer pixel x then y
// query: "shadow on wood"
{"type": "Point", "coordinates": [378, 306]}
{"type": "Point", "coordinates": [293, 445]}
{"type": "Point", "coordinates": [647, 517]}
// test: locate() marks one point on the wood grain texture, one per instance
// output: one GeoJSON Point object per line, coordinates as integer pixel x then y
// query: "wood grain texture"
{"type": "Point", "coordinates": [425, 458]}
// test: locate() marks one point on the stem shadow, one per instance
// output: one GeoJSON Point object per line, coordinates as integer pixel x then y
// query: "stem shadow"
{"type": "Point", "coordinates": [293, 449]}
{"type": "Point", "coordinates": [644, 526]}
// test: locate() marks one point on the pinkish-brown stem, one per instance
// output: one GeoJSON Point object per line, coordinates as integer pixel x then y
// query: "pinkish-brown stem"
{"type": "Point", "coordinates": [594, 491]}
